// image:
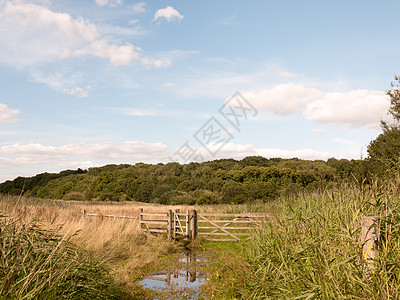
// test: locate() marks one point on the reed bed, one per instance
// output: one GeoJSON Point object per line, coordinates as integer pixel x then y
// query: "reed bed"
{"type": "Point", "coordinates": [40, 264]}
{"type": "Point", "coordinates": [312, 249]}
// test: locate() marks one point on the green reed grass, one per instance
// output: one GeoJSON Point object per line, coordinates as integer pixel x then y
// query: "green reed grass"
{"type": "Point", "coordinates": [311, 248]}
{"type": "Point", "coordinates": [39, 264]}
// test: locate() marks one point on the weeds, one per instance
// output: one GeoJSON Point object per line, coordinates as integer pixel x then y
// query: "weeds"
{"type": "Point", "coordinates": [312, 248]}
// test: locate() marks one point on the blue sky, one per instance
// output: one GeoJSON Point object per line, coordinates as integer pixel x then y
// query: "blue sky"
{"type": "Point", "coordinates": [87, 83]}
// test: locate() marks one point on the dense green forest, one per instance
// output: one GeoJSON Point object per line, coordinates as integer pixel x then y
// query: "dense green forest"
{"type": "Point", "coordinates": [219, 181]}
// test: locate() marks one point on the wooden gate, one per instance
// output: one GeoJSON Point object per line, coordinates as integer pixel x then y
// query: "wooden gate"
{"type": "Point", "coordinates": [189, 224]}
{"type": "Point", "coordinates": [228, 227]}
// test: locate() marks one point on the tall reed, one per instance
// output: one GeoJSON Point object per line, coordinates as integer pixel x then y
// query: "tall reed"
{"type": "Point", "coordinates": [311, 249]}
{"type": "Point", "coordinates": [40, 264]}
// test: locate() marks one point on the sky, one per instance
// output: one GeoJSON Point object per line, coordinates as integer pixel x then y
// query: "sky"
{"type": "Point", "coordinates": [96, 82]}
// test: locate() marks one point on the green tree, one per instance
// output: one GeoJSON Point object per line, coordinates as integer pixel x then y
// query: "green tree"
{"type": "Point", "coordinates": [384, 151]}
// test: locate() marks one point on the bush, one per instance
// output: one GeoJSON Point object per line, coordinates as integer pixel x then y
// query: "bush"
{"type": "Point", "coordinates": [74, 196]}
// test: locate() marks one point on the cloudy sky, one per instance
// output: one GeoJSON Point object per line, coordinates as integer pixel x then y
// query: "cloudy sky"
{"type": "Point", "coordinates": [87, 83]}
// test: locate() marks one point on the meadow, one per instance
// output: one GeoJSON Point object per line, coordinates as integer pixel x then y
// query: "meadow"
{"type": "Point", "coordinates": [309, 249]}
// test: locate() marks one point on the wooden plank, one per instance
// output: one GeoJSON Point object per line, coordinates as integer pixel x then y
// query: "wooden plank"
{"type": "Point", "coordinates": [111, 216]}
{"type": "Point", "coordinates": [155, 278]}
{"type": "Point", "coordinates": [213, 227]}
{"type": "Point", "coordinates": [181, 233]}
{"type": "Point", "coordinates": [250, 215]}
{"type": "Point", "coordinates": [155, 221]}
{"type": "Point", "coordinates": [187, 219]}
{"type": "Point", "coordinates": [193, 224]}
{"type": "Point", "coordinates": [155, 214]}
{"type": "Point", "coordinates": [223, 233]}
{"type": "Point", "coordinates": [231, 221]}
{"type": "Point", "coordinates": [178, 224]}
{"type": "Point", "coordinates": [157, 230]}
{"type": "Point", "coordinates": [140, 217]}
{"type": "Point", "coordinates": [170, 225]}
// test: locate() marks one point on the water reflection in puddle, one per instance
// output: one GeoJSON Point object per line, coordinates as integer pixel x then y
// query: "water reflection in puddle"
{"type": "Point", "coordinates": [183, 280]}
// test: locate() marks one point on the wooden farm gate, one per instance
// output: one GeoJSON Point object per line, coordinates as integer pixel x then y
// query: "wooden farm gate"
{"type": "Point", "coordinates": [189, 224]}
{"type": "Point", "coordinates": [228, 227]}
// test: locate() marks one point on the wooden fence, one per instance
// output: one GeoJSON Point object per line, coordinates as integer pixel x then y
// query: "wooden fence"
{"type": "Point", "coordinates": [190, 224]}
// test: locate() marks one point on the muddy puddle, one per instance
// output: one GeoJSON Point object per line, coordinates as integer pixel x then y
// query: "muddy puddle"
{"type": "Point", "coordinates": [182, 281]}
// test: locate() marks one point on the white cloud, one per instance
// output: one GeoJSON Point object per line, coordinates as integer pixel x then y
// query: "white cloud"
{"type": "Point", "coordinates": [169, 13]}
{"type": "Point", "coordinates": [137, 112]}
{"type": "Point", "coordinates": [61, 83]}
{"type": "Point", "coordinates": [357, 108]}
{"type": "Point", "coordinates": [228, 20]}
{"type": "Point", "coordinates": [353, 109]}
{"type": "Point", "coordinates": [31, 34]}
{"type": "Point", "coordinates": [38, 154]}
{"type": "Point", "coordinates": [317, 131]}
{"type": "Point", "coordinates": [286, 74]}
{"type": "Point", "coordinates": [167, 84]}
{"type": "Point", "coordinates": [7, 115]}
{"type": "Point", "coordinates": [111, 3]}
{"type": "Point", "coordinates": [118, 55]}
{"type": "Point", "coordinates": [283, 99]}
{"type": "Point", "coordinates": [133, 22]}
{"type": "Point", "coordinates": [139, 7]}
{"type": "Point", "coordinates": [158, 63]}
{"type": "Point", "coordinates": [77, 91]}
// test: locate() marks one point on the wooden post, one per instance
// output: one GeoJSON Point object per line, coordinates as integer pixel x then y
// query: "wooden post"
{"type": "Point", "coordinates": [170, 226]}
{"type": "Point", "coordinates": [175, 222]}
{"type": "Point", "coordinates": [369, 239]}
{"type": "Point", "coordinates": [168, 278]}
{"type": "Point", "coordinates": [84, 214]}
{"type": "Point", "coordinates": [140, 217]}
{"type": "Point", "coordinates": [187, 224]}
{"type": "Point", "coordinates": [193, 224]}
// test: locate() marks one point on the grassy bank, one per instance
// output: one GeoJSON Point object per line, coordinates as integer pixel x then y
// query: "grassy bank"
{"type": "Point", "coordinates": [311, 249]}
{"type": "Point", "coordinates": [40, 264]}
{"type": "Point", "coordinates": [128, 253]}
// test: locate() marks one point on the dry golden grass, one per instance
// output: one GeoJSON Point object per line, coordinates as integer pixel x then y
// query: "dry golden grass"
{"type": "Point", "coordinates": [128, 250]}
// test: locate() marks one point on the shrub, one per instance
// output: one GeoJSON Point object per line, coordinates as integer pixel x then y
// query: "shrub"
{"type": "Point", "coordinates": [74, 196]}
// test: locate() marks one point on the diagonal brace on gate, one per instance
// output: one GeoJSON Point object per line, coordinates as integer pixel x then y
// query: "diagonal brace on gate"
{"type": "Point", "coordinates": [220, 227]}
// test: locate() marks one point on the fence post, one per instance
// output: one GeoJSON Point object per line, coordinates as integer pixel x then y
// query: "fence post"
{"type": "Point", "coordinates": [140, 217]}
{"type": "Point", "coordinates": [177, 211]}
{"type": "Point", "coordinates": [187, 224]}
{"type": "Point", "coordinates": [84, 214]}
{"type": "Point", "coordinates": [170, 226]}
{"type": "Point", "coordinates": [369, 239]}
{"type": "Point", "coordinates": [193, 224]}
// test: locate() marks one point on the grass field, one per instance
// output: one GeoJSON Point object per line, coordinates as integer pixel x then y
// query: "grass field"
{"type": "Point", "coordinates": [309, 249]}
{"type": "Point", "coordinates": [126, 251]}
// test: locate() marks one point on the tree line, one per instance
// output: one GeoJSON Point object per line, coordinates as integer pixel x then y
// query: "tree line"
{"type": "Point", "coordinates": [219, 181]}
